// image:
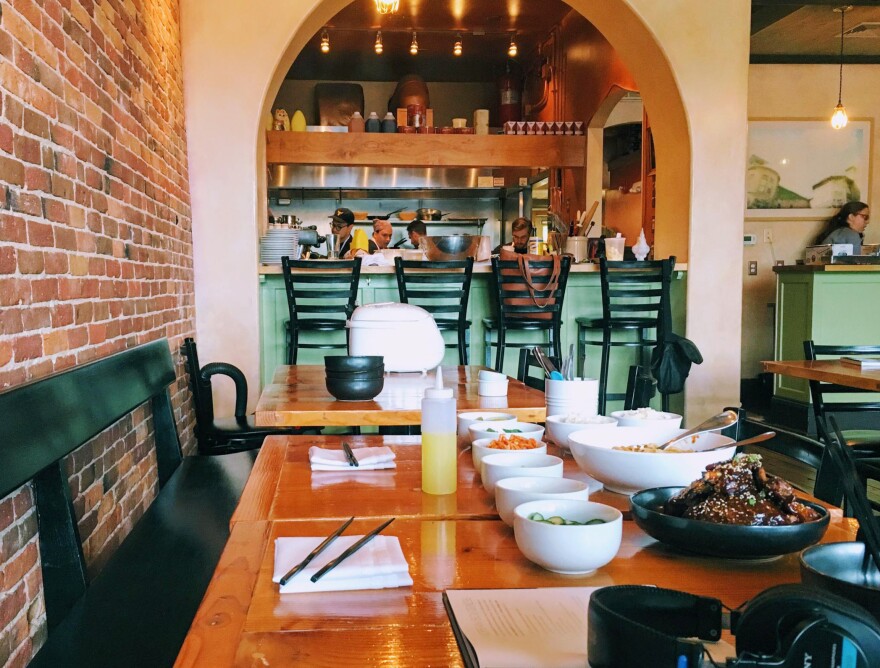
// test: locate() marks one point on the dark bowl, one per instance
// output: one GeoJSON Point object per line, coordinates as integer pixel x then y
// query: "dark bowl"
{"type": "Point", "coordinates": [378, 372]}
{"type": "Point", "coordinates": [342, 363]}
{"type": "Point", "coordinates": [837, 567]}
{"type": "Point", "coordinates": [722, 540]}
{"type": "Point", "coordinates": [355, 390]}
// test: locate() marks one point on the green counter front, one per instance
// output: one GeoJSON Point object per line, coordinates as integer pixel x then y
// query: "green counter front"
{"type": "Point", "coordinates": [378, 284]}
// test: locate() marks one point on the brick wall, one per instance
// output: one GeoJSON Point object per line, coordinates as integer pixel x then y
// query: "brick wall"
{"type": "Point", "coordinates": [95, 249]}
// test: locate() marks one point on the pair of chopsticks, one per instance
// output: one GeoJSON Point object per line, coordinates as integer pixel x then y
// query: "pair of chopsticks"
{"type": "Point", "coordinates": [338, 560]}
{"type": "Point", "coordinates": [349, 455]}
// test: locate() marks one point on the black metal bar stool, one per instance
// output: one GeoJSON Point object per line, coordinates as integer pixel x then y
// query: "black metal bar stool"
{"type": "Point", "coordinates": [634, 296]}
{"type": "Point", "coordinates": [526, 308]}
{"type": "Point", "coordinates": [442, 289]}
{"type": "Point", "coordinates": [321, 296]}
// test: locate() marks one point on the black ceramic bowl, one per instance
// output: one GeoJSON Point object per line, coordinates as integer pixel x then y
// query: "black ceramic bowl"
{"type": "Point", "coordinates": [837, 567]}
{"type": "Point", "coordinates": [378, 372]}
{"type": "Point", "coordinates": [342, 363]}
{"type": "Point", "coordinates": [355, 390]}
{"type": "Point", "coordinates": [721, 540]}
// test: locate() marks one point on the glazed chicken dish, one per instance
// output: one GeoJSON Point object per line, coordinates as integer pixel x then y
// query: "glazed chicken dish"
{"type": "Point", "coordinates": [740, 491]}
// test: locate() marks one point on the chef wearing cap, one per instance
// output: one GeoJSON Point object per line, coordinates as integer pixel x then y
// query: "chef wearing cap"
{"type": "Point", "coordinates": [342, 223]}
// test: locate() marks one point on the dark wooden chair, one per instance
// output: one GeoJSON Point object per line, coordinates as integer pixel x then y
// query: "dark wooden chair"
{"type": "Point", "coordinates": [528, 364]}
{"type": "Point", "coordinates": [640, 388]}
{"type": "Point", "coordinates": [864, 442]}
{"type": "Point", "coordinates": [442, 289]}
{"type": "Point", "coordinates": [518, 310]}
{"type": "Point", "coordinates": [634, 296]}
{"type": "Point", "coordinates": [217, 436]}
{"type": "Point", "coordinates": [321, 297]}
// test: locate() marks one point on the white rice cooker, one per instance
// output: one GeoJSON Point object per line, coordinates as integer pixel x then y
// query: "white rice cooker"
{"type": "Point", "coordinates": [404, 334]}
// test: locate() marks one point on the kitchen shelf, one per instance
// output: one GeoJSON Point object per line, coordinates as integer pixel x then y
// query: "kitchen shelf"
{"type": "Point", "coordinates": [302, 194]}
{"type": "Point", "coordinates": [406, 150]}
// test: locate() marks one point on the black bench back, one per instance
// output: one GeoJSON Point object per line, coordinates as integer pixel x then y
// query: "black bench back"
{"type": "Point", "coordinates": [43, 421]}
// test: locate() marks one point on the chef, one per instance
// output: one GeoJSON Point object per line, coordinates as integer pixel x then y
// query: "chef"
{"type": "Point", "coordinates": [342, 223]}
{"type": "Point", "coordinates": [382, 232]}
{"type": "Point", "coordinates": [520, 230]}
{"type": "Point", "coordinates": [416, 230]}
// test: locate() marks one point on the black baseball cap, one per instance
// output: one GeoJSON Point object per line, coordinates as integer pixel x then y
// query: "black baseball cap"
{"type": "Point", "coordinates": [343, 216]}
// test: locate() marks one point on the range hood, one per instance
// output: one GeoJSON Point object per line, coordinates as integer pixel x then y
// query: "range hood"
{"type": "Point", "coordinates": [295, 177]}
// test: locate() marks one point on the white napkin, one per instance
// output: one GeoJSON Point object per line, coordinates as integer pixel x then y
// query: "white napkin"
{"type": "Point", "coordinates": [369, 459]}
{"type": "Point", "coordinates": [379, 564]}
{"type": "Point", "coordinates": [375, 260]}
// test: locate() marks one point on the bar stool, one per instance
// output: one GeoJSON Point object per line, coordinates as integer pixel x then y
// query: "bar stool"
{"type": "Point", "coordinates": [522, 308]}
{"type": "Point", "coordinates": [442, 289]}
{"type": "Point", "coordinates": [634, 296]}
{"type": "Point", "coordinates": [320, 297]}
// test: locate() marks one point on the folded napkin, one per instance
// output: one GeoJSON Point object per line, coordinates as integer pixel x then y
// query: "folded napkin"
{"type": "Point", "coordinates": [369, 459]}
{"type": "Point", "coordinates": [379, 564]}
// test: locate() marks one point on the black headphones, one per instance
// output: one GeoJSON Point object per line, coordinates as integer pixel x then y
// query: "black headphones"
{"type": "Point", "coordinates": [788, 626]}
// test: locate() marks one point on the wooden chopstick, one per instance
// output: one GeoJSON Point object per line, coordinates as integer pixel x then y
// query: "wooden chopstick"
{"type": "Point", "coordinates": [350, 551]}
{"type": "Point", "coordinates": [314, 553]}
{"type": "Point", "coordinates": [349, 454]}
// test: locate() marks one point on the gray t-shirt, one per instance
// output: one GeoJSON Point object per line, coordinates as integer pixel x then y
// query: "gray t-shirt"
{"type": "Point", "coordinates": [845, 235]}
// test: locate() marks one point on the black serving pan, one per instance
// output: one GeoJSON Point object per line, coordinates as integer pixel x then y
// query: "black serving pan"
{"type": "Point", "coordinates": [837, 567]}
{"type": "Point", "coordinates": [722, 540]}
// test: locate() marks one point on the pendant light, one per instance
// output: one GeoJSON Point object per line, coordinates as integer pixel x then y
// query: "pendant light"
{"type": "Point", "coordinates": [512, 50]}
{"type": "Point", "coordinates": [387, 6]}
{"type": "Point", "coordinates": [379, 48]}
{"type": "Point", "coordinates": [456, 49]}
{"type": "Point", "coordinates": [325, 42]}
{"type": "Point", "coordinates": [414, 47]}
{"type": "Point", "coordinates": [839, 118]}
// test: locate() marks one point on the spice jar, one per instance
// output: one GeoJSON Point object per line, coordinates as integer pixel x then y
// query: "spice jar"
{"type": "Point", "coordinates": [415, 115]}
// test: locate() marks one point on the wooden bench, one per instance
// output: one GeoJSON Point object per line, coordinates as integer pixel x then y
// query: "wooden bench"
{"type": "Point", "coordinates": [138, 609]}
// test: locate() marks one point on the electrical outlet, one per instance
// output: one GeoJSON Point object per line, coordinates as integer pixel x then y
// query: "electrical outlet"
{"type": "Point", "coordinates": [768, 236]}
{"type": "Point", "coordinates": [753, 267]}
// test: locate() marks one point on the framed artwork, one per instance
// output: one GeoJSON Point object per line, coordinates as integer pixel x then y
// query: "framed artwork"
{"type": "Point", "coordinates": [805, 169]}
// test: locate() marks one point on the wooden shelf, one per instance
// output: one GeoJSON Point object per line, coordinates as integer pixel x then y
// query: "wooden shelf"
{"type": "Point", "coordinates": [402, 150]}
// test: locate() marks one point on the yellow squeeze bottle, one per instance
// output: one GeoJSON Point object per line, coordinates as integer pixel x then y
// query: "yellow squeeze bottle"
{"type": "Point", "coordinates": [359, 241]}
{"type": "Point", "coordinates": [439, 443]}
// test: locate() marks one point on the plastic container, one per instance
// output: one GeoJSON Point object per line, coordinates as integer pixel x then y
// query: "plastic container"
{"type": "Point", "coordinates": [614, 248]}
{"type": "Point", "coordinates": [356, 122]}
{"type": "Point", "coordinates": [439, 441]}
{"type": "Point", "coordinates": [373, 124]}
{"type": "Point", "coordinates": [389, 123]}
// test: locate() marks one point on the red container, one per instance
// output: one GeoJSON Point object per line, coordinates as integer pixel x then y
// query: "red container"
{"type": "Point", "coordinates": [415, 115]}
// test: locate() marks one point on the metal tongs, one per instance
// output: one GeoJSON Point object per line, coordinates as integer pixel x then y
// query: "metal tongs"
{"type": "Point", "coordinates": [544, 362]}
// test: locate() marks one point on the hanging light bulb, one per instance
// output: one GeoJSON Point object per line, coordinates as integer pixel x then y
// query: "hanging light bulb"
{"type": "Point", "coordinates": [512, 50]}
{"type": "Point", "coordinates": [379, 48]}
{"type": "Point", "coordinates": [456, 49]}
{"type": "Point", "coordinates": [387, 6]}
{"type": "Point", "coordinates": [414, 47]}
{"type": "Point", "coordinates": [325, 42]}
{"type": "Point", "coordinates": [839, 118]}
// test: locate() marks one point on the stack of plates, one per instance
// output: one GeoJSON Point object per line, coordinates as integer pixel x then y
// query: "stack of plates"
{"type": "Point", "coordinates": [278, 243]}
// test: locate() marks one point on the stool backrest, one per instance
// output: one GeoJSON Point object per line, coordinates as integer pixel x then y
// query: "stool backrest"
{"type": "Point", "coordinates": [321, 288]}
{"type": "Point", "coordinates": [521, 297]}
{"type": "Point", "coordinates": [441, 288]}
{"type": "Point", "coordinates": [636, 289]}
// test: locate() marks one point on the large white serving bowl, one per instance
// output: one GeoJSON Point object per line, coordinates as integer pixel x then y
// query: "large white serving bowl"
{"type": "Point", "coordinates": [511, 492]}
{"type": "Point", "coordinates": [494, 430]}
{"type": "Point", "coordinates": [518, 464]}
{"type": "Point", "coordinates": [480, 448]}
{"type": "Point", "coordinates": [572, 550]}
{"type": "Point", "coordinates": [648, 417]}
{"type": "Point", "coordinates": [465, 420]}
{"type": "Point", "coordinates": [558, 431]}
{"type": "Point", "coordinates": [629, 472]}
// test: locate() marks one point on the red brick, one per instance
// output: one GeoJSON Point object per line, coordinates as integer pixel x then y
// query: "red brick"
{"type": "Point", "coordinates": [27, 149]}
{"type": "Point", "coordinates": [62, 315]}
{"type": "Point", "coordinates": [36, 178]}
{"type": "Point", "coordinates": [36, 124]}
{"type": "Point", "coordinates": [14, 291]}
{"type": "Point", "coordinates": [28, 347]}
{"type": "Point", "coordinates": [40, 234]}
{"type": "Point", "coordinates": [55, 210]}
{"type": "Point", "coordinates": [10, 321]}
{"type": "Point", "coordinates": [36, 317]}
{"type": "Point", "coordinates": [44, 290]}
{"type": "Point", "coordinates": [5, 138]}
{"type": "Point", "coordinates": [65, 238]}
{"type": "Point", "coordinates": [7, 260]}
{"type": "Point", "coordinates": [5, 358]}
{"type": "Point", "coordinates": [26, 203]}
{"type": "Point", "coordinates": [55, 341]}
{"type": "Point", "coordinates": [56, 263]}
{"type": "Point", "coordinates": [30, 262]}
{"type": "Point", "coordinates": [11, 171]}
{"type": "Point", "coordinates": [12, 229]}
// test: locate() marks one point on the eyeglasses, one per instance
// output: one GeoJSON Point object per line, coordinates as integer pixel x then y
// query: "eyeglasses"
{"type": "Point", "coordinates": [866, 216]}
{"type": "Point", "coordinates": [338, 226]}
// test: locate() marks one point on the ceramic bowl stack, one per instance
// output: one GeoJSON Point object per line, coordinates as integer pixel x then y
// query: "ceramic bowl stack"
{"type": "Point", "coordinates": [354, 378]}
{"type": "Point", "coordinates": [572, 396]}
{"type": "Point", "coordinates": [280, 242]}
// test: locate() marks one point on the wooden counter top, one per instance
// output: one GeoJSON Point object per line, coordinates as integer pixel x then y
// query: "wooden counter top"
{"type": "Point", "coordinates": [813, 268]}
{"type": "Point", "coordinates": [479, 268]}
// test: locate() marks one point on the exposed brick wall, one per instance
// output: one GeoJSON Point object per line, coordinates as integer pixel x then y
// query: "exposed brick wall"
{"type": "Point", "coordinates": [95, 250]}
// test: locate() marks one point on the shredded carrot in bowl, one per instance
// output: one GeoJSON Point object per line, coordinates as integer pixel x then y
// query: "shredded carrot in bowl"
{"type": "Point", "coordinates": [514, 442]}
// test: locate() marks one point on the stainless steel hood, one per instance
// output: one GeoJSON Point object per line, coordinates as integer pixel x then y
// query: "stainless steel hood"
{"type": "Point", "coordinates": [338, 176]}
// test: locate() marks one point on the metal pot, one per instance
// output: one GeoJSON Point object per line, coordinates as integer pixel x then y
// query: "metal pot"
{"type": "Point", "coordinates": [449, 247]}
{"type": "Point", "coordinates": [429, 214]}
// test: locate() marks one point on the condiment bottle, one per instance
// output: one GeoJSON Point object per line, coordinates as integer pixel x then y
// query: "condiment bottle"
{"type": "Point", "coordinates": [356, 122]}
{"type": "Point", "coordinates": [389, 123]}
{"type": "Point", "coordinates": [373, 123]}
{"type": "Point", "coordinates": [439, 443]}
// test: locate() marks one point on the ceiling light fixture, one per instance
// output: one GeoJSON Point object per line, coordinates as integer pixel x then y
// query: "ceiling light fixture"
{"type": "Point", "coordinates": [512, 50]}
{"type": "Point", "coordinates": [414, 47]}
{"type": "Point", "coordinates": [387, 6]}
{"type": "Point", "coordinates": [378, 46]}
{"type": "Point", "coordinates": [325, 42]}
{"type": "Point", "coordinates": [839, 118]}
{"type": "Point", "coordinates": [456, 49]}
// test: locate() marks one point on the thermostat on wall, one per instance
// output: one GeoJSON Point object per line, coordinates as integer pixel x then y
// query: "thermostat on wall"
{"type": "Point", "coordinates": [750, 239]}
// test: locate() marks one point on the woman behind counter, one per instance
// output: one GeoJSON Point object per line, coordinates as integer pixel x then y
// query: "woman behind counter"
{"type": "Point", "coordinates": [847, 226]}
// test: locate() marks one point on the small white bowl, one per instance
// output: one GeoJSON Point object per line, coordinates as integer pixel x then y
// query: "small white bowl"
{"type": "Point", "coordinates": [486, 375]}
{"type": "Point", "coordinates": [648, 417]}
{"type": "Point", "coordinates": [567, 549]}
{"type": "Point", "coordinates": [518, 464]}
{"type": "Point", "coordinates": [492, 430]}
{"type": "Point", "coordinates": [481, 417]}
{"type": "Point", "coordinates": [480, 448]}
{"type": "Point", "coordinates": [511, 492]}
{"type": "Point", "coordinates": [558, 431]}
{"type": "Point", "coordinates": [492, 388]}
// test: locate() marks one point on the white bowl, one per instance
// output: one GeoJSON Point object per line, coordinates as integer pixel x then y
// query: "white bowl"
{"type": "Point", "coordinates": [487, 375]}
{"type": "Point", "coordinates": [480, 448]}
{"type": "Point", "coordinates": [641, 417]}
{"type": "Point", "coordinates": [518, 464]}
{"type": "Point", "coordinates": [481, 417]}
{"type": "Point", "coordinates": [492, 430]}
{"type": "Point", "coordinates": [492, 388]}
{"type": "Point", "coordinates": [572, 550]}
{"type": "Point", "coordinates": [629, 472]}
{"type": "Point", "coordinates": [511, 492]}
{"type": "Point", "coordinates": [558, 431]}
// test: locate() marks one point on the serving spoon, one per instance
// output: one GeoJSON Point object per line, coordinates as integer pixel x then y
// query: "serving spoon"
{"type": "Point", "coordinates": [714, 423]}
{"type": "Point", "coordinates": [766, 436]}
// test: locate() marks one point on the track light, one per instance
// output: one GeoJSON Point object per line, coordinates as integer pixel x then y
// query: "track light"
{"type": "Point", "coordinates": [456, 49]}
{"type": "Point", "coordinates": [414, 47]}
{"type": "Point", "coordinates": [325, 42]}
{"type": "Point", "coordinates": [512, 50]}
{"type": "Point", "coordinates": [378, 46]}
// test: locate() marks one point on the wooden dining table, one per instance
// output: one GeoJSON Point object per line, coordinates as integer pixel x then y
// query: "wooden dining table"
{"type": "Point", "coordinates": [452, 542]}
{"type": "Point", "coordinates": [298, 397]}
{"type": "Point", "coordinates": [827, 371]}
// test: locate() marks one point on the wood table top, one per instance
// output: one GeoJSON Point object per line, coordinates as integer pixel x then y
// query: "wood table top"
{"type": "Point", "coordinates": [827, 371]}
{"type": "Point", "coordinates": [298, 397]}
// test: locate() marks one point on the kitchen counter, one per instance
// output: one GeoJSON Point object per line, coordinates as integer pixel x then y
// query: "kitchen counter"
{"type": "Point", "coordinates": [479, 268]}
{"type": "Point", "coordinates": [829, 268]}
